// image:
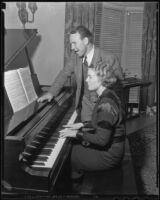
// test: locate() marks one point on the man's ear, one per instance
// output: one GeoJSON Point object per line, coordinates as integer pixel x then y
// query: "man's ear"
{"type": "Point", "coordinates": [86, 41]}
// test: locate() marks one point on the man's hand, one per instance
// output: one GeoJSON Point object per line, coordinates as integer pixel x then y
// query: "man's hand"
{"type": "Point", "coordinates": [48, 96]}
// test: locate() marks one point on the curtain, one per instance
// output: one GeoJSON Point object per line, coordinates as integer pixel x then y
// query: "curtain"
{"type": "Point", "coordinates": [78, 13]}
{"type": "Point", "coordinates": [149, 53]}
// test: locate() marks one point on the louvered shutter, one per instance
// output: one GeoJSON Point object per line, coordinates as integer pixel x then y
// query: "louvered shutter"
{"type": "Point", "coordinates": [112, 30]}
{"type": "Point", "coordinates": [98, 23]}
{"type": "Point", "coordinates": [134, 43]}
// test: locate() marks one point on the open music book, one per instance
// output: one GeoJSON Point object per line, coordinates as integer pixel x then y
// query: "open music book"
{"type": "Point", "coordinates": [19, 88]}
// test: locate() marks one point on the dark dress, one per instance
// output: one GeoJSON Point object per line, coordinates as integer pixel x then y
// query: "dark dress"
{"type": "Point", "coordinates": [102, 144]}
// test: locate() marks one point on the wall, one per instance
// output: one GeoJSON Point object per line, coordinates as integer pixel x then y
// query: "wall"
{"type": "Point", "coordinates": [49, 20]}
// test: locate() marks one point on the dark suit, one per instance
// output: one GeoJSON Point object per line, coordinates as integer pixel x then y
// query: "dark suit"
{"type": "Point", "coordinates": [102, 145]}
{"type": "Point", "coordinates": [74, 67]}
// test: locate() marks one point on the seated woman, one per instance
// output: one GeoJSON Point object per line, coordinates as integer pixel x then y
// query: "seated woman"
{"type": "Point", "coordinates": [99, 144]}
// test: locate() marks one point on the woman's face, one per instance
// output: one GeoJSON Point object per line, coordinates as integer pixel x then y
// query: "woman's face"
{"type": "Point", "coordinates": [94, 81]}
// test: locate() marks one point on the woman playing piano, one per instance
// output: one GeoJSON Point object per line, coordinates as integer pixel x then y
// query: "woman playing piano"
{"type": "Point", "coordinates": [99, 144]}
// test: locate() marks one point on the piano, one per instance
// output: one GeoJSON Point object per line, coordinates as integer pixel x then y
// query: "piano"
{"type": "Point", "coordinates": [33, 153]}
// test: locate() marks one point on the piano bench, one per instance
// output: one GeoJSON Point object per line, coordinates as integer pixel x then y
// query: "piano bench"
{"type": "Point", "coordinates": [118, 181]}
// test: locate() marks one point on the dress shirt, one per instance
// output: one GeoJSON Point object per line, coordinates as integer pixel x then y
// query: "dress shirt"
{"type": "Point", "coordinates": [89, 56]}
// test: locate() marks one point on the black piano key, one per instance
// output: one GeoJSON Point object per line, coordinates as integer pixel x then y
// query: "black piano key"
{"type": "Point", "coordinates": [35, 144]}
{"type": "Point", "coordinates": [29, 153]}
{"type": "Point", "coordinates": [26, 154]}
{"type": "Point", "coordinates": [40, 136]}
{"type": "Point", "coordinates": [49, 145]}
{"type": "Point", "coordinates": [27, 158]}
{"type": "Point", "coordinates": [39, 139]}
{"type": "Point", "coordinates": [53, 140]}
{"type": "Point", "coordinates": [45, 152]}
{"type": "Point", "coordinates": [35, 141]}
{"type": "Point", "coordinates": [46, 129]}
{"type": "Point", "coordinates": [41, 158]}
{"type": "Point", "coordinates": [56, 134]}
{"type": "Point", "coordinates": [37, 163]}
{"type": "Point", "coordinates": [43, 135]}
{"type": "Point", "coordinates": [30, 149]}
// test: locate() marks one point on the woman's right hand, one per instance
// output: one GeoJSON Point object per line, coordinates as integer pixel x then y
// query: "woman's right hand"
{"type": "Point", "coordinates": [47, 96]}
{"type": "Point", "coordinates": [74, 126]}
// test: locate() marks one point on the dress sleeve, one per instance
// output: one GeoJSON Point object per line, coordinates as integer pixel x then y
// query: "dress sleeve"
{"type": "Point", "coordinates": [88, 127]}
{"type": "Point", "coordinates": [107, 116]}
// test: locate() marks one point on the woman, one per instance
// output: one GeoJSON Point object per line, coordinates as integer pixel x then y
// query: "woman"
{"type": "Point", "coordinates": [99, 144]}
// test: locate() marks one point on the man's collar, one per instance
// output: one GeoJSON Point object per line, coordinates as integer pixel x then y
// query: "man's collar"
{"type": "Point", "coordinates": [89, 56]}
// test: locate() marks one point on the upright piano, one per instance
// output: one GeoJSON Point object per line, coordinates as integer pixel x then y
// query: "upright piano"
{"type": "Point", "coordinates": [33, 153]}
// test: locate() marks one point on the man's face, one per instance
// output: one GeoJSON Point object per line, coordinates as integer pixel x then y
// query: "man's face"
{"type": "Point", "coordinates": [78, 45]}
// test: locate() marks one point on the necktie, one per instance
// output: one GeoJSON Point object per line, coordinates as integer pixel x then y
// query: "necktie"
{"type": "Point", "coordinates": [85, 68]}
{"type": "Point", "coordinates": [85, 62]}
{"type": "Point", "coordinates": [85, 90]}
{"type": "Point", "coordinates": [84, 73]}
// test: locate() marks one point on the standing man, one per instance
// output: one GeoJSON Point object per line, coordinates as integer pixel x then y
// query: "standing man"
{"type": "Point", "coordinates": [84, 54]}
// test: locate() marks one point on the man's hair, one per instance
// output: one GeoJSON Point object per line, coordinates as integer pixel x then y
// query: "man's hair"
{"type": "Point", "coordinates": [105, 72]}
{"type": "Point", "coordinates": [84, 32]}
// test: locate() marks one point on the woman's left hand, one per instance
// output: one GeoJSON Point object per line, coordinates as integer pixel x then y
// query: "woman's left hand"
{"type": "Point", "coordinates": [67, 132]}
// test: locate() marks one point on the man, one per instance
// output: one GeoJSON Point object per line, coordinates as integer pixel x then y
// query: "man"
{"type": "Point", "coordinates": [84, 53]}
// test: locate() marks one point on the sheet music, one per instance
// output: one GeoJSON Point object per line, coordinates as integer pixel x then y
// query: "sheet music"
{"type": "Point", "coordinates": [25, 77]}
{"type": "Point", "coordinates": [15, 90]}
{"type": "Point", "coordinates": [19, 88]}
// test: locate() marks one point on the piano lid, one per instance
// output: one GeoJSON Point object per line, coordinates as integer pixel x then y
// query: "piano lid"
{"type": "Point", "coordinates": [15, 41]}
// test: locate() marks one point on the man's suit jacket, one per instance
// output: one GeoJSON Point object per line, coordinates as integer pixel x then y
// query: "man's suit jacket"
{"type": "Point", "coordinates": [74, 67]}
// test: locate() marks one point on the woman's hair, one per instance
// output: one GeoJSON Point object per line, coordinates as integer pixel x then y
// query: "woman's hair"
{"type": "Point", "coordinates": [105, 72]}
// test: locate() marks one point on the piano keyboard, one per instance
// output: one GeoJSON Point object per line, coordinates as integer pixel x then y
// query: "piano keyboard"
{"type": "Point", "coordinates": [48, 155]}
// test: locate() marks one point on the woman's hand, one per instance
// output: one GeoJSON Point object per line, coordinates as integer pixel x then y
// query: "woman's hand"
{"type": "Point", "coordinates": [67, 132]}
{"type": "Point", "coordinates": [75, 126]}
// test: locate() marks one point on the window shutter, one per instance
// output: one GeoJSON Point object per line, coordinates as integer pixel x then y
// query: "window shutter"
{"type": "Point", "coordinates": [112, 30]}
{"type": "Point", "coordinates": [134, 43]}
{"type": "Point", "coordinates": [98, 25]}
